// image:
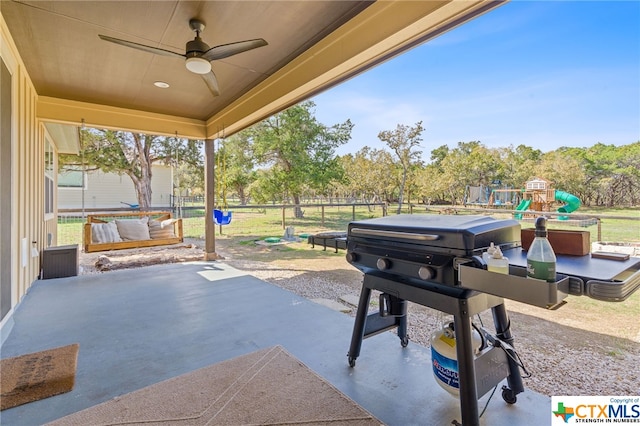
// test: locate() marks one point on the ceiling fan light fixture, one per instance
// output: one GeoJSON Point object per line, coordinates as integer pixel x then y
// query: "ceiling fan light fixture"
{"type": "Point", "coordinates": [198, 65]}
{"type": "Point", "coordinates": [198, 54]}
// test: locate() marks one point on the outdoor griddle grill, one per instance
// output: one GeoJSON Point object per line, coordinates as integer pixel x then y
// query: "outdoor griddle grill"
{"type": "Point", "coordinates": [436, 261]}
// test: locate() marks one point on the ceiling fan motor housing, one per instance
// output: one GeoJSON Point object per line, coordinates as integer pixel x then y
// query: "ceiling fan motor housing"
{"type": "Point", "coordinates": [196, 47]}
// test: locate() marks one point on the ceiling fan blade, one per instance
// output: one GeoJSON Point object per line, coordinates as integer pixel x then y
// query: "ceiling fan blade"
{"type": "Point", "coordinates": [226, 50]}
{"type": "Point", "coordinates": [212, 83]}
{"type": "Point", "coordinates": [142, 47]}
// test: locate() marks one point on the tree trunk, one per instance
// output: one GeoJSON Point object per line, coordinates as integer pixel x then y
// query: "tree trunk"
{"type": "Point", "coordinates": [142, 185]}
{"type": "Point", "coordinates": [143, 192]}
{"type": "Point", "coordinates": [297, 210]}
{"type": "Point", "coordinates": [142, 179]}
{"type": "Point", "coordinates": [401, 197]}
{"type": "Point", "coordinates": [242, 196]}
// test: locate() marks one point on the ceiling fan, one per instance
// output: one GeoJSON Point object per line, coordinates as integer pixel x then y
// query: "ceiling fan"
{"type": "Point", "coordinates": [198, 54]}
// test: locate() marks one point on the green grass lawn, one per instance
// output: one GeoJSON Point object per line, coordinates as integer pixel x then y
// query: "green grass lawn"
{"type": "Point", "coordinates": [262, 223]}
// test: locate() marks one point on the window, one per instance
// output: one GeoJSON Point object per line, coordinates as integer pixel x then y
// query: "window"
{"type": "Point", "coordinates": [536, 184]}
{"type": "Point", "coordinates": [48, 177]}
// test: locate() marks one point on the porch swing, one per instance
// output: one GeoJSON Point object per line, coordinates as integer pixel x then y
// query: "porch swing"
{"type": "Point", "coordinates": [221, 217]}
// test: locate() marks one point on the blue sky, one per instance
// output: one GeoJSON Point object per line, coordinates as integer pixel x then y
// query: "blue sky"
{"type": "Point", "coordinates": [541, 73]}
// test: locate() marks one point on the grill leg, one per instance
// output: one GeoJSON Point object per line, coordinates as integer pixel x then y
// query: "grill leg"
{"type": "Point", "coordinates": [466, 366]}
{"type": "Point", "coordinates": [392, 305]}
{"type": "Point", "coordinates": [503, 332]}
{"type": "Point", "coordinates": [402, 327]}
{"type": "Point", "coordinates": [358, 327]}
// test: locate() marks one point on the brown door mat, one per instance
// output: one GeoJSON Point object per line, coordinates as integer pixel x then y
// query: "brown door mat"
{"type": "Point", "coordinates": [37, 375]}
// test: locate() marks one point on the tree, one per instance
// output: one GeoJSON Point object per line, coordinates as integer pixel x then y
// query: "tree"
{"type": "Point", "coordinates": [235, 166]}
{"type": "Point", "coordinates": [462, 166]}
{"type": "Point", "coordinates": [133, 154]}
{"type": "Point", "coordinates": [298, 152]}
{"type": "Point", "coordinates": [627, 175]}
{"type": "Point", "coordinates": [439, 154]}
{"type": "Point", "coordinates": [188, 180]}
{"type": "Point", "coordinates": [563, 170]}
{"type": "Point", "coordinates": [453, 175]}
{"type": "Point", "coordinates": [369, 174]}
{"type": "Point", "coordinates": [611, 174]}
{"type": "Point", "coordinates": [403, 141]}
{"type": "Point", "coordinates": [266, 188]}
{"type": "Point", "coordinates": [518, 164]}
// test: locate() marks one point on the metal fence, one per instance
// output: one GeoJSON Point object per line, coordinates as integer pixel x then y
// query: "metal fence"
{"type": "Point", "coordinates": [261, 221]}
{"type": "Point", "coordinates": [250, 221]}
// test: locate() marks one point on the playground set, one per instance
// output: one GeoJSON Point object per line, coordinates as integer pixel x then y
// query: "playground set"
{"type": "Point", "coordinates": [538, 195]}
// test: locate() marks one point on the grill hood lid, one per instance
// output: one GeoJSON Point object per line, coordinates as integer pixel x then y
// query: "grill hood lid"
{"type": "Point", "coordinates": [461, 234]}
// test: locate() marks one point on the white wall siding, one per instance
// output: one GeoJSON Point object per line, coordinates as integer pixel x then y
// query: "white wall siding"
{"type": "Point", "coordinates": [27, 223]}
{"type": "Point", "coordinates": [110, 190]}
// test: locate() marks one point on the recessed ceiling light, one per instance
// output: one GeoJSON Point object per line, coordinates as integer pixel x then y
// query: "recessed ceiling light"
{"type": "Point", "coordinates": [161, 84]}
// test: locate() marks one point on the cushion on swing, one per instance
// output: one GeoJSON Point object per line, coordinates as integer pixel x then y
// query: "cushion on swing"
{"type": "Point", "coordinates": [161, 229]}
{"type": "Point", "coordinates": [133, 229]}
{"type": "Point", "coordinates": [105, 233]}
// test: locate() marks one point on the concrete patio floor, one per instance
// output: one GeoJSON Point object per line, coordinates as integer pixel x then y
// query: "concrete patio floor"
{"type": "Point", "coordinates": [141, 326]}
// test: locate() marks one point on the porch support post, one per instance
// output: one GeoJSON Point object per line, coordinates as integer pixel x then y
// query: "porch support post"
{"type": "Point", "coordinates": [209, 200]}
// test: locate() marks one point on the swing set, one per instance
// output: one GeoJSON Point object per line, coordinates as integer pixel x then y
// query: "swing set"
{"type": "Point", "coordinates": [220, 216]}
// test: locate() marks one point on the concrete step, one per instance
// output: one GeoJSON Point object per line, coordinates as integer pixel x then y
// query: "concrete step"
{"type": "Point", "coordinates": [332, 304]}
{"type": "Point", "coordinates": [351, 299]}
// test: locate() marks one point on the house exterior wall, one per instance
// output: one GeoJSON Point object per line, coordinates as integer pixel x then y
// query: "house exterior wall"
{"type": "Point", "coordinates": [110, 190]}
{"type": "Point", "coordinates": [27, 222]}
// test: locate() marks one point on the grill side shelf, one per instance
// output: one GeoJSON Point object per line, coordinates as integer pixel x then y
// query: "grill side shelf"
{"type": "Point", "coordinates": [616, 291]}
{"type": "Point", "coordinates": [530, 291]}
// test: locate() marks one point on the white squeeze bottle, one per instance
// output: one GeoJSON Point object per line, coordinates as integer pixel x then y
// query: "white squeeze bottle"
{"type": "Point", "coordinates": [497, 262]}
{"type": "Point", "coordinates": [541, 260]}
{"type": "Point", "coordinates": [487, 254]}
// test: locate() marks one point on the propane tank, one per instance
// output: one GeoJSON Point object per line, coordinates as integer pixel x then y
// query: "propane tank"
{"type": "Point", "coordinates": [444, 358]}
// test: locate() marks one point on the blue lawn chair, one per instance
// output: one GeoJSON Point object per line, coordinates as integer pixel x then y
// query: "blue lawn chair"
{"type": "Point", "coordinates": [133, 206]}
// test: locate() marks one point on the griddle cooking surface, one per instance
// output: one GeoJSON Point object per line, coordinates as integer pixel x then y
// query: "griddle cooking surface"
{"type": "Point", "coordinates": [585, 267]}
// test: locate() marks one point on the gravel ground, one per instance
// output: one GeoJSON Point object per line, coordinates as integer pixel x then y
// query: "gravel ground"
{"type": "Point", "coordinates": [561, 360]}
{"type": "Point", "coordinates": [570, 351]}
